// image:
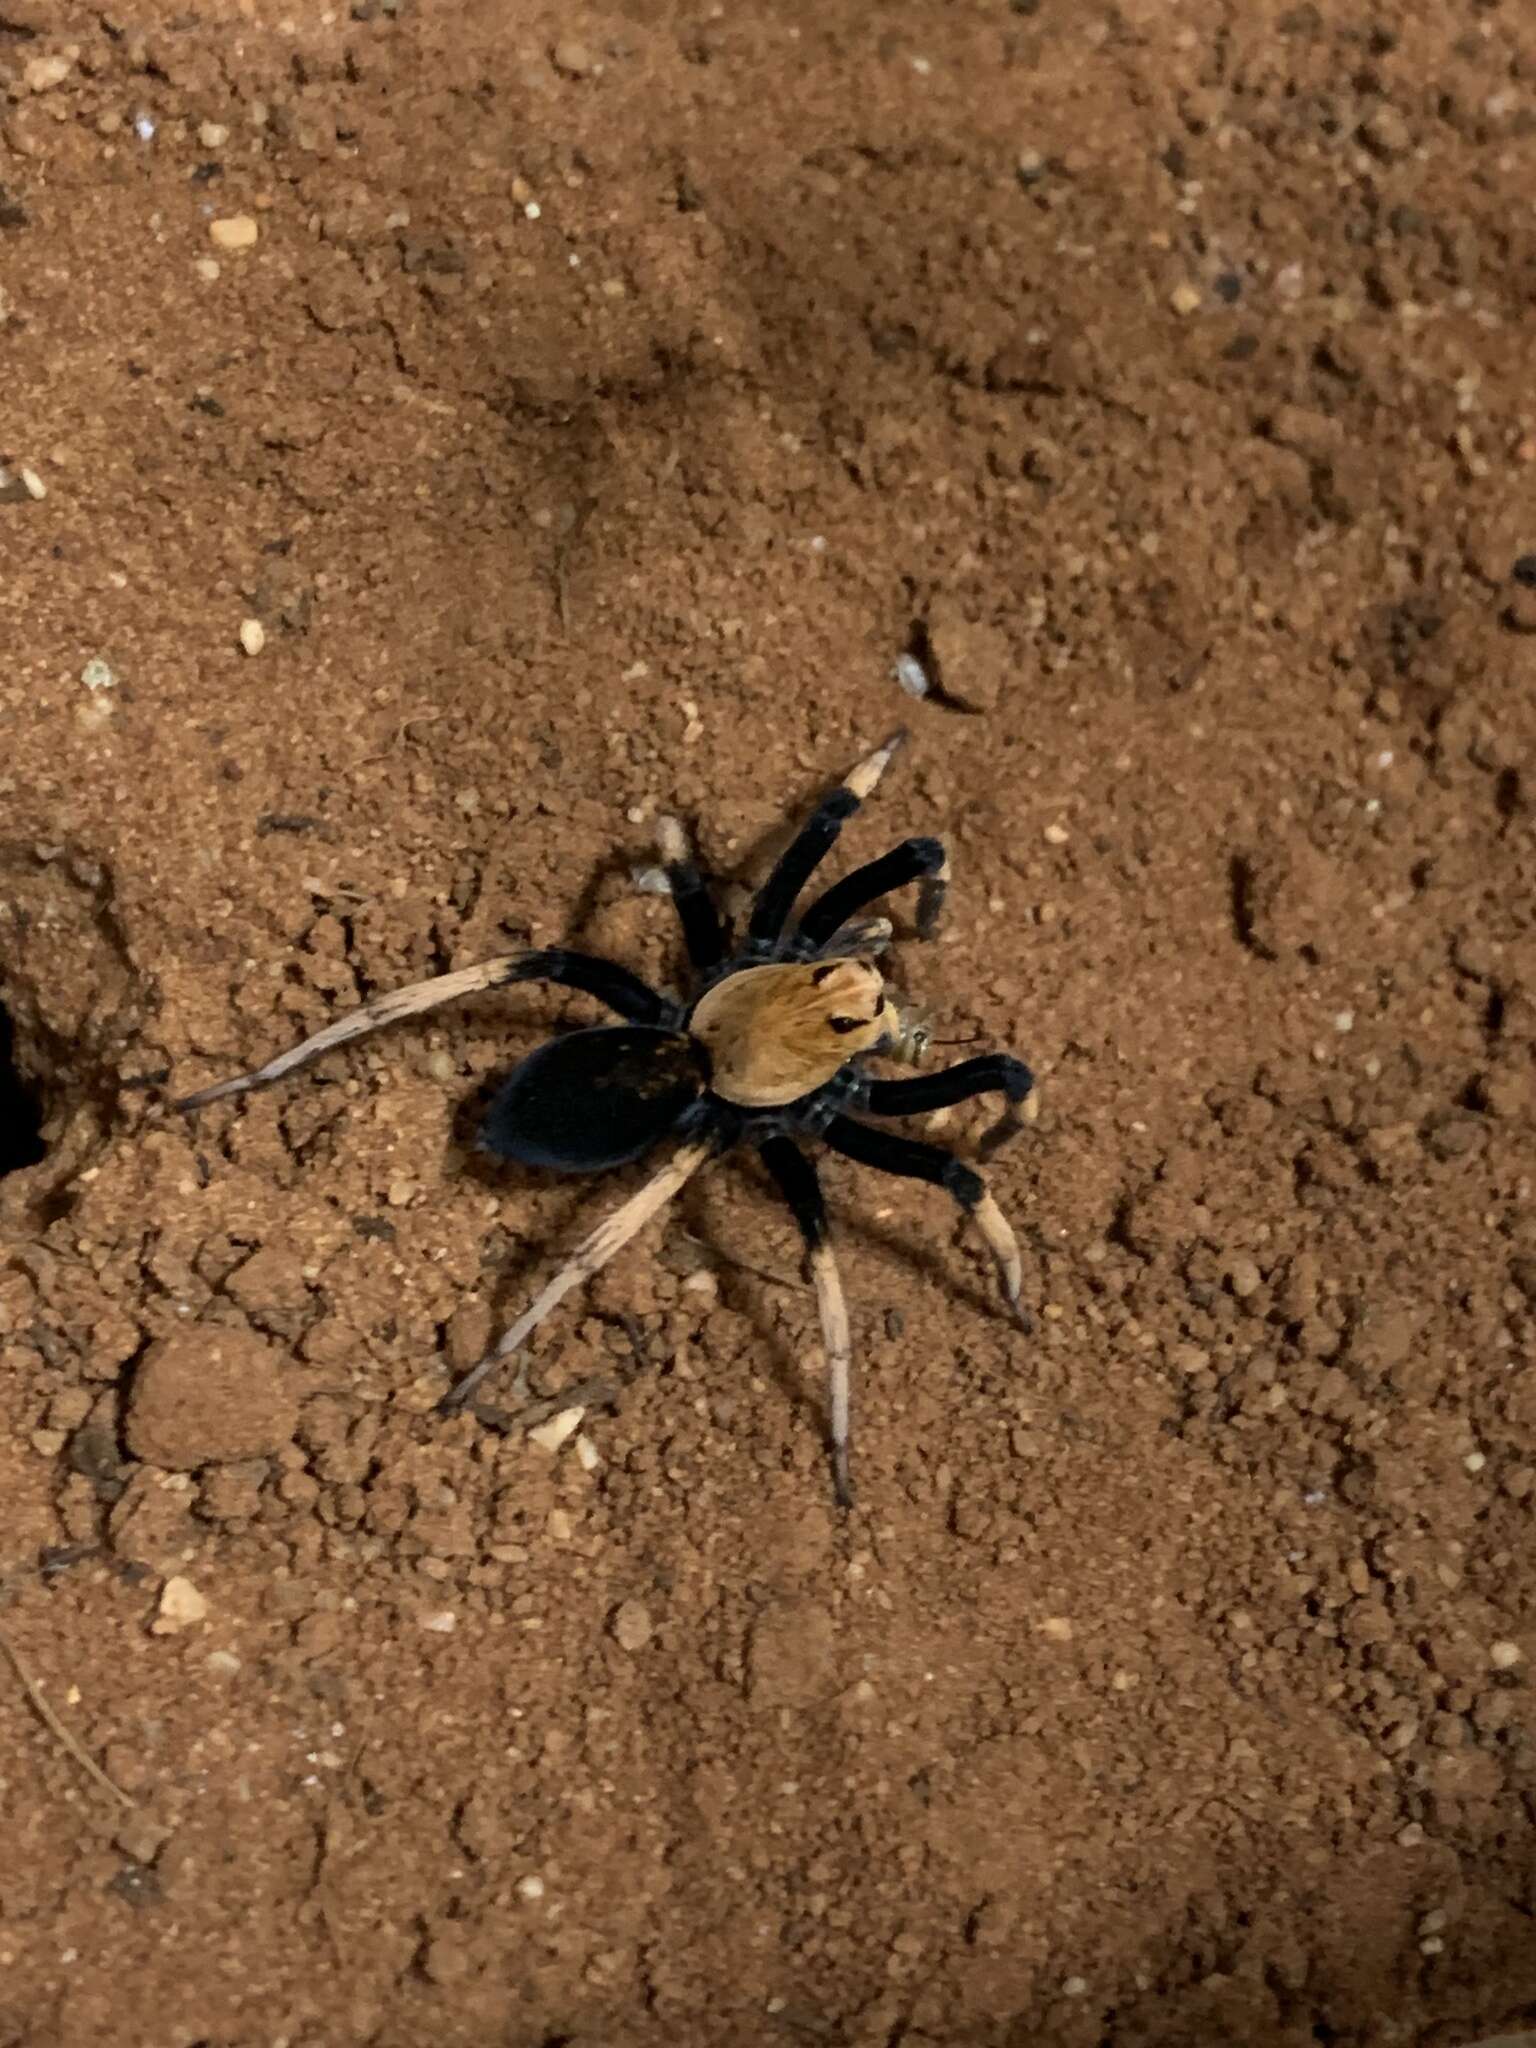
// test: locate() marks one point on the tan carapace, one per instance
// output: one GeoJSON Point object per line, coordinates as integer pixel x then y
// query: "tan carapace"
{"type": "Point", "coordinates": [775, 1033]}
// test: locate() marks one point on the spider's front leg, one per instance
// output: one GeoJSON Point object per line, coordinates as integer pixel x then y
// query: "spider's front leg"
{"type": "Point", "coordinates": [888, 1152]}
{"type": "Point", "coordinates": [810, 845]}
{"type": "Point", "coordinates": [800, 1187]}
{"type": "Point", "coordinates": [923, 861]}
{"type": "Point", "coordinates": [988, 1073]}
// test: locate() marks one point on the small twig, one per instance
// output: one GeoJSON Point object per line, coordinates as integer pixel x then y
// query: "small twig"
{"type": "Point", "coordinates": [57, 1729]}
{"type": "Point", "coordinates": [564, 543]}
{"type": "Point", "coordinates": [593, 1392]}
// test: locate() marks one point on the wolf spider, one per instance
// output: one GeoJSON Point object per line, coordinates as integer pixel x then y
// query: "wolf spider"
{"type": "Point", "coordinates": [770, 1047]}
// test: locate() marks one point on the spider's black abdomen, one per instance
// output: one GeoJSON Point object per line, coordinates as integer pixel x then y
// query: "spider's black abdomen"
{"type": "Point", "coordinates": [594, 1098]}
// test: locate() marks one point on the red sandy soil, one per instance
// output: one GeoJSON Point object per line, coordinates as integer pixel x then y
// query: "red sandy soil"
{"type": "Point", "coordinates": [605, 401]}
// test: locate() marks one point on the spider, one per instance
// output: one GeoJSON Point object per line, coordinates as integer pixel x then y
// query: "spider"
{"type": "Point", "coordinates": [770, 1047]}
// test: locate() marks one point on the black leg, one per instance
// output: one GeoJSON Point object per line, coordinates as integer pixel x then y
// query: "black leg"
{"type": "Point", "coordinates": [888, 1152]}
{"type": "Point", "coordinates": [702, 933]}
{"type": "Point", "coordinates": [800, 1187]}
{"type": "Point", "coordinates": [811, 843]}
{"type": "Point", "coordinates": [616, 986]}
{"type": "Point", "coordinates": [623, 992]}
{"type": "Point", "coordinates": [914, 860]}
{"type": "Point", "coordinates": [990, 1072]}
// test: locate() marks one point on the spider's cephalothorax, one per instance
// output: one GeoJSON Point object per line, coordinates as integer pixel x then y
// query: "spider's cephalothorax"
{"type": "Point", "coordinates": [773, 1045]}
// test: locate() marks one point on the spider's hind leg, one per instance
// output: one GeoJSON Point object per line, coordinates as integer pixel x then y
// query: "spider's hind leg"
{"type": "Point", "coordinates": [888, 1152]}
{"type": "Point", "coordinates": [593, 1253]}
{"type": "Point", "coordinates": [622, 991]}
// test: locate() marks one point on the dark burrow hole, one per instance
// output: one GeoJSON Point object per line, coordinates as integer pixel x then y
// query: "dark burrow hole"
{"type": "Point", "coordinates": [21, 1113]}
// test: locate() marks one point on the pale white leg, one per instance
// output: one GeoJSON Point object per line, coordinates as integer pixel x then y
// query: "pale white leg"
{"type": "Point", "coordinates": [1004, 1247]}
{"type": "Point", "coordinates": [389, 1009]}
{"type": "Point", "coordinates": [594, 1252]}
{"type": "Point", "coordinates": [838, 1346]}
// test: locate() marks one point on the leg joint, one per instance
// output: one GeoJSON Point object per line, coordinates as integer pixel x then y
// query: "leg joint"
{"type": "Point", "coordinates": [963, 1182]}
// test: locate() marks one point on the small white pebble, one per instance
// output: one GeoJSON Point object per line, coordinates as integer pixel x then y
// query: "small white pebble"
{"type": "Point", "coordinates": [443, 1623]}
{"type": "Point", "coordinates": [1057, 835]}
{"type": "Point", "coordinates": [223, 1663]}
{"type": "Point", "coordinates": [400, 1193]}
{"type": "Point", "coordinates": [1504, 1655]}
{"type": "Point", "coordinates": [181, 1606]}
{"type": "Point", "coordinates": [234, 231]}
{"type": "Point", "coordinates": [587, 1454]}
{"type": "Point", "coordinates": [207, 268]}
{"type": "Point", "coordinates": [549, 1436]}
{"type": "Point", "coordinates": [32, 483]}
{"type": "Point", "coordinates": [1058, 1627]}
{"type": "Point", "coordinates": [650, 880]}
{"type": "Point", "coordinates": [1184, 299]}
{"type": "Point", "coordinates": [253, 635]}
{"type": "Point", "coordinates": [1344, 1020]}
{"type": "Point", "coordinates": [42, 74]}
{"type": "Point", "coordinates": [1074, 1987]}
{"type": "Point", "coordinates": [144, 128]}
{"type": "Point", "coordinates": [911, 675]}
{"type": "Point", "coordinates": [97, 675]}
{"type": "Point", "coordinates": [1474, 1461]}
{"type": "Point", "coordinates": [1432, 1945]}
{"type": "Point", "coordinates": [213, 135]}
{"type": "Point", "coordinates": [530, 1888]}
{"type": "Point", "coordinates": [631, 1625]}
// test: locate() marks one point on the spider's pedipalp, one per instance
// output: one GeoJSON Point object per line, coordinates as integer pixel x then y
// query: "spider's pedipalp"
{"type": "Point", "coordinates": [622, 991]}
{"type": "Point", "coordinates": [593, 1253]}
{"type": "Point", "coordinates": [811, 843]}
{"type": "Point", "coordinates": [798, 1183]}
{"type": "Point", "coordinates": [989, 1071]}
{"type": "Point", "coordinates": [889, 1152]}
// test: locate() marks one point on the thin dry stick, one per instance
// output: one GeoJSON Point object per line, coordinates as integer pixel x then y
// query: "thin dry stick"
{"type": "Point", "coordinates": [56, 1728]}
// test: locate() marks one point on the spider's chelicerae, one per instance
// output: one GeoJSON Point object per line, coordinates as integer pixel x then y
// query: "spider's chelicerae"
{"type": "Point", "coordinates": [772, 1046]}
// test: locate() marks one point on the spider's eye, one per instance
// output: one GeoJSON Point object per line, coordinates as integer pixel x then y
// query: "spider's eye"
{"type": "Point", "coordinates": [844, 1024]}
